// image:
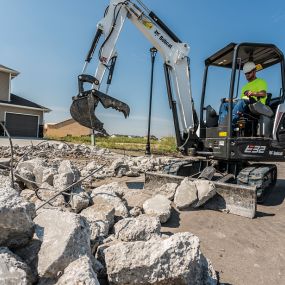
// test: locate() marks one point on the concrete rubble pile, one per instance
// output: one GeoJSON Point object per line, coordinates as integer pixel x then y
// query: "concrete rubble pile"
{"type": "Point", "coordinates": [108, 234]}
{"type": "Point", "coordinates": [88, 159]}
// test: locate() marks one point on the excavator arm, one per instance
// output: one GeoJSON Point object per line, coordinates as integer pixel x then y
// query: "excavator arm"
{"type": "Point", "coordinates": [176, 67]}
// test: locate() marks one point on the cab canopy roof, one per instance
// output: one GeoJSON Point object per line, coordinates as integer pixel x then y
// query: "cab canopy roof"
{"type": "Point", "coordinates": [263, 55]}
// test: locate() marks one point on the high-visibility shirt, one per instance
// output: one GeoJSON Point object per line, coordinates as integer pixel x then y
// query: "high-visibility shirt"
{"type": "Point", "coordinates": [257, 85]}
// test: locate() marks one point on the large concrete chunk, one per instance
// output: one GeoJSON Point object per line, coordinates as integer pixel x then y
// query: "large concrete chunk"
{"type": "Point", "coordinates": [46, 193]}
{"type": "Point", "coordinates": [111, 198]}
{"type": "Point", "coordinates": [158, 206]}
{"type": "Point", "coordinates": [67, 175]}
{"type": "Point", "coordinates": [141, 228]}
{"type": "Point", "coordinates": [100, 218]}
{"type": "Point", "coordinates": [114, 188]}
{"type": "Point", "coordinates": [29, 171]}
{"type": "Point", "coordinates": [168, 190]}
{"type": "Point", "coordinates": [206, 190]}
{"type": "Point", "coordinates": [65, 237]}
{"type": "Point", "coordinates": [186, 194]}
{"type": "Point", "coordinates": [29, 254]}
{"type": "Point", "coordinates": [79, 199]}
{"type": "Point", "coordinates": [176, 260]}
{"type": "Point", "coordinates": [13, 270]}
{"type": "Point", "coordinates": [136, 198]}
{"type": "Point", "coordinates": [79, 272]}
{"type": "Point", "coordinates": [16, 218]}
{"type": "Point", "coordinates": [67, 167]}
{"type": "Point", "coordinates": [44, 175]}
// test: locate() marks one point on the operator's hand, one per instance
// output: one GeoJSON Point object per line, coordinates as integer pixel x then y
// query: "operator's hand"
{"type": "Point", "coordinates": [248, 93]}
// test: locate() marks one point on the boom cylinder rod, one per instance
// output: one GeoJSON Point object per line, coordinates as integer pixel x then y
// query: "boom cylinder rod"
{"type": "Point", "coordinates": [153, 52]}
{"type": "Point", "coordinates": [172, 106]}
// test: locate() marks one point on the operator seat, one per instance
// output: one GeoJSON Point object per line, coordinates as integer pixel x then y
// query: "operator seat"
{"type": "Point", "coordinates": [211, 117]}
{"type": "Point", "coordinates": [264, 113]}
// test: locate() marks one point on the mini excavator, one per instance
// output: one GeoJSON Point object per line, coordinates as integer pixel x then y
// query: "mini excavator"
{"type": "Point", "coordinates": [237, 158]}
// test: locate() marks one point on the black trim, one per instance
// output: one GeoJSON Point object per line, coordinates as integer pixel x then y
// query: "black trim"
{"type": "Point", "coordinates": [93, 45]}
{"type": "Point", "coordinates": [161, 24]}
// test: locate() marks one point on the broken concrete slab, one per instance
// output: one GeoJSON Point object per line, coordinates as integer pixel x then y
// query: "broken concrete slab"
{"type": "Point", "coordinates": [65, 237]}
{"type": "Point", "coordinates": [172, 261]}
{"type": "Point", "coordinates": [31, 164]}
{"type": "Point", "coordinates": [6, 181]}
{"type": "Point", "coordinates": [16, 219]}
{"type": "Point", "coordinates": [67, 175]}
{"type": "Point", "coordinates": [113, 188]}
{"type": "Point", "coordinates": [111, 198]}
{"type": "Point", "coordinates": [158, 206]}
{"type": "Point", "coordinates": [136, 198]}
{"type": "Point", "coordinates": [79, 271]}
{"type": "Point", "coordinates": [168, 190]}
{"type": "Point", "coordinates": [66, 166]}
{"type": "Point", "coordinates": [13, 270]}
{"type": "Point", "coordinates": [186, 194]}
{"type": "Point", "coordinates": [29, 195]}
{"type": "Point", "coordinates": [79, 199]}
{"type": "Point", "coordinates": [206, 190]}
{"type": "Point", "coordinates": [5, 163]}
{"type": "Point", "coordinates": [45, 175]}
{"type": "Point", "coordinates": [136, 211]}
{"type": "Point", "coordinates": [29, 254]}
{"type": "Point", "coordinates": [27, 177]}
{"type": "Point", "coordinates": [46, 192]}
{"type": "Point", "coordinates": [141, 228]}
{"type": "Point", "coordinates": [100, 218]}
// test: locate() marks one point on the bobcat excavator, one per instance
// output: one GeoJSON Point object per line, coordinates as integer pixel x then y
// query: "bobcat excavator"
{"type": "Point", "coordinates": [236, 158]}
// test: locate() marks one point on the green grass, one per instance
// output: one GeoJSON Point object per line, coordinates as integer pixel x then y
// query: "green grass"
{"type": "Point", "coordinates": [166, 145]}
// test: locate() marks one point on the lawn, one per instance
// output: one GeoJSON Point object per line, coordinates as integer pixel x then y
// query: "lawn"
{"type": "Point", "coordinates": [166, 145]}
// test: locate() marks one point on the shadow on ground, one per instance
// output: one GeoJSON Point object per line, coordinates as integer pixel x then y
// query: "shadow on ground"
{"type": "Point", "coordinates": [174, 221]}
{"type": "Point", "coordinates": [276, 195]}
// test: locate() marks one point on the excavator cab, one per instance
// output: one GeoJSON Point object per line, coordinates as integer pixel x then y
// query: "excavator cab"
{"type": "Point", "coordinates": [259, 133]}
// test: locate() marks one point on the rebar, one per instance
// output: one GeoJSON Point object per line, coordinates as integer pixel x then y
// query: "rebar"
{"type": "Point", "coordinates": [12, 154]}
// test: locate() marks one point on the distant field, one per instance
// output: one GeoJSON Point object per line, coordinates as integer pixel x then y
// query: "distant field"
{"type": "Point", "coordinates": [166, 145]}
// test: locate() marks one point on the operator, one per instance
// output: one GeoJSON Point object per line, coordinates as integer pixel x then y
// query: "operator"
{"type": "Point", "coordinates": [255, 90]}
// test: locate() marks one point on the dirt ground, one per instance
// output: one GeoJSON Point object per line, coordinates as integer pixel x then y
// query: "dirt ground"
{"type": "Point", "coordinates": [243, 251]}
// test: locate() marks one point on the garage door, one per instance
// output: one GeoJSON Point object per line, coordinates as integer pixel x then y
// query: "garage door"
{"type": "Point", "coordinates": [19, 125]}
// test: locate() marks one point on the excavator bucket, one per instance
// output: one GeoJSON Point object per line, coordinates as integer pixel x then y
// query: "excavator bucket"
{"type": "Point", "coordinates": [84, 105]}
{"type": "Point", "coordinates": [230, 198]}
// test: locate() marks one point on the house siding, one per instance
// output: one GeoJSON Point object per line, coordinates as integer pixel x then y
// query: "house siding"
{"type": "Point", "coordinates": [4, 86]}
{"type": "Point", "coordinates": [62, 130]}
{"type": "Point", "coordinates": [9, 109]}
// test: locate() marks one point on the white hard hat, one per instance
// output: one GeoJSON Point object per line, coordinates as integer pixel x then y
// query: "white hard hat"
{"type": "Point", "coordinates": [249, 66]}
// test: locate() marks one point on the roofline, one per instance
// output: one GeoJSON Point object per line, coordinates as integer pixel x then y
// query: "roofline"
{"type": "Point", "coordinates": [11, 71]}
{"type": "Point", "coordinates": [26, 107]}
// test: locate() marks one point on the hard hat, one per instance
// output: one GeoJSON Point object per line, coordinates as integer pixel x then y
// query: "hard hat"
{"type": "Point", "coordinates": [249, 66]}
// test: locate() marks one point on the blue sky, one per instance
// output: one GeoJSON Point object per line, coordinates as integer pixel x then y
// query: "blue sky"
{"type": "Point", "coordinates": [47, 42]}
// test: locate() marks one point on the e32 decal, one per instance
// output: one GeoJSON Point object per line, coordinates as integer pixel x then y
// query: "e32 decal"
{"type": "Point", "coordinates": [255, 149]}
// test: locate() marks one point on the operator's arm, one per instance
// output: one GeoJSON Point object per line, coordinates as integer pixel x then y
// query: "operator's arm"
{"type": "Point", "coordinates": [256, 94]}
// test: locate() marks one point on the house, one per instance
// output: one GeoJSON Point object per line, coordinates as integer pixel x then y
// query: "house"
{"type": "Point", "coordinates": [21, 117]}
{"type": "Point", "coordinates": [66, 128]}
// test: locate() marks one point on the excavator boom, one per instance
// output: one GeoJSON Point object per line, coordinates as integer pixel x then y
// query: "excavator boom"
{"type": "Point", "coordinates": [172, 50]}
